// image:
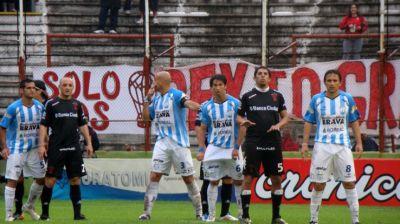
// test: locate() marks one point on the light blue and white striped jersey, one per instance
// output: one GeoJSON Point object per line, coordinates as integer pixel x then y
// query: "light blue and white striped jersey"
{"type": "Point", "coordinates": [220, 120]}
{"type": "Point", "coordinates": [168, 113]}
{"type": "Point", "coordinates": [22, 124]}
{"type": "Point", "coordinates": [332, 117]}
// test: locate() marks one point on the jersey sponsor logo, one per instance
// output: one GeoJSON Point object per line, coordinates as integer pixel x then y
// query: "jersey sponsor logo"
{"type": "Point", "coordinates": [263, 108]}
{"type": "Point", "coordinates": [61, 115]}
{"type": "Point", "coordinates": [252, 95]}
{"type": "Point", "coordinates": [163, 113]}
{"type": "Point", "coordinates": [271, 148]}
{"type": "Point", "coordinates": [67, 149]}
{"type": "Point", "coordinates": [222, 123]}
{"type": "Point", "coordinates": [333, 124]}
{"type": "Point", "coordinates": [28, 126]}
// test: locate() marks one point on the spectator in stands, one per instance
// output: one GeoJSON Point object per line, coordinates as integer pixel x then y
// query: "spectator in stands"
{"type": "Point", "coordinates": [105, 6]}
{"type": "Point", "coordinates": [153, 8]}
{"type": "Point", "coordinates": [368, 143]}
{"type": "Point", "coordinates": [353, 23]}
{"type": "Point", "coordinates": [8, 6]}
{"type": "Point", "coordinates": [127, 7]}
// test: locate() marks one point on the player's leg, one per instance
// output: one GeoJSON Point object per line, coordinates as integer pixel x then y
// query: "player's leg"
{"type": "Point", "coordinates": [203, 193]}
{"type": "Point", "coordinates": [273, 168]}
{"type": "Point", "coordinates": [226, 194]}
{"type": "Point", "coordinates": [13, 172]}
{"type": "Point", "coordinates": [160, 164]}
{"type": "Point", "coordinates": [213, 171]}
{"type": "Point", "coordinates": [344, 170]}
{"type": "Point", "coordinates": [55, 165]}
{"type": "Point", "coordinates": [320, 170]}
{"type": "Point", "coordinates": [36, 168]}
{"type": "Point", "coordinates": [183, 164]}
{"type": "Point", "coordinates": [250, 170]}
{"type": "Point", "coordinates": [75, 170]}
{"type": "Point", "coordinates": [235, 171]}
{"type": "Point", "coordinates": [19, 194]}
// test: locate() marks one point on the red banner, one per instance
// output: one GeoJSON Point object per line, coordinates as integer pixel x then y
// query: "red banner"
{"type": "Point", "coordinates": [378, 183]}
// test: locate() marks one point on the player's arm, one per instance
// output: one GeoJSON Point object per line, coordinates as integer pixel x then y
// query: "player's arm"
{"type": "Point", "coordinates": [284, 120]}
{"type": "Point", "coordinates": [5, 152]}
{"type": "Point", "coordinates": [146, 104]}
{"type": "Point", "coordinates": [190, 104]}
{"type": "Point", "coordinates": [357, 135]}
{"type": "Point", "coordinates": [85, 132]}
{"type": "Point", "coordinates": [306, 137]}
{"type": "Point", "coordinates": [241, 118]}
{"type": "Point", "coordinates": [201, 138]}
{"type": "Point", "coordinates": [43, 141]}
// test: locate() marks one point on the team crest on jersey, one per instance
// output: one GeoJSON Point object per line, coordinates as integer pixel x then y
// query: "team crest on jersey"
{"type": "Point", "coordinates": [274, 97]}
{"type": "Point", "coordinates": [75, 105]}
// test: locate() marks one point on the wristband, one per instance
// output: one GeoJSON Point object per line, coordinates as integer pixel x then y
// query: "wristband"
{"type": "Point", "coordinates": [146, 100]}
{"type": "Point", "coordinates": [236, 147]}
{"type": "Point", "coordinates": [202, 149]}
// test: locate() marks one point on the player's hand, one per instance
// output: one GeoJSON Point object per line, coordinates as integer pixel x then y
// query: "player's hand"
{"type": "Point", "coordinates": [235, 154]}
{"type": "Point", "coordinates": [246, 123]}
{"type": "Point", "coordinates": [151, 92]}
{"type": "Point", "coordinates": [42, 152]}
{"type": "Point", "coordinates": [5, 153]}
{"type": "Point", "coordinates": [89, 150]}
{"type": "Point", "coordinates": [200, 156]}
{"type": "Point", "coordinates": [273, 128]}
{"type": "Point", "coordinates": [359, 150]}
{"type": "Point", "coordinates": [304, 151]}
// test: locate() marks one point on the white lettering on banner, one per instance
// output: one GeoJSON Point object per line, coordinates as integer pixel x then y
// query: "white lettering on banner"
{"type": "Point", "coordinates": [117, 179]}
{"type": "Point", "coordinates": [381, 189]}
{"type": "Point", "coordinates": [120, 88]}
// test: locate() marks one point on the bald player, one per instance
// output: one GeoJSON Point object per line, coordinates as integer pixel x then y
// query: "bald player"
{"type": "Point", "coordinates": [64, 115]}
{"type": "Point", "coordinates": [166, 107]}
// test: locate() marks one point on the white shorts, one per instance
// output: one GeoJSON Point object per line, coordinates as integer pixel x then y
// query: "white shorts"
{"type": "Point", "coordinates": [167, 153]}
{"type": "Point", "coordinates": [29, 162]}
{"type": "Point", "coordinates": [217, 169]}
{"type": "Point", "coordinates": [339, 164]}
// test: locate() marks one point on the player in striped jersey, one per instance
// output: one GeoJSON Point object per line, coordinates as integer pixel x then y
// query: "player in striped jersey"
{"type": "Point", "coordinates": [19, 136]}
{"type": "Point", "coordinates": [221, 158]}
{"type": "Point", "coordinates": [167, 110]}
{"type": "Point", "coordinates": [332, 111]}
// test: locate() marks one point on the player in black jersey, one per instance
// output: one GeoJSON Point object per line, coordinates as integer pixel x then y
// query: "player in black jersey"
{"type": "Point", "coordinates": [263, 112]}
{"type": "Point", "coordinates": [64, 116]}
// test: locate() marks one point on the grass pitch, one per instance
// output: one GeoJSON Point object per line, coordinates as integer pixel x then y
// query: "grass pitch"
{"type": "Point", "coordinates": [171, 212]}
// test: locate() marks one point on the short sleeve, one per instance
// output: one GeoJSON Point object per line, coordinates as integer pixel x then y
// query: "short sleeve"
{"type": "Point", "coordinates": [9, 115]}
{"type": "Point", "coordinates": [310, 115]}
{"type": "Point", "coordinates": [81, 115]}
{"type": "Point", "coordinates": [353, 114]}
{"type": "Point", "coordinates": [152, 111]}
{"type": "Point", "coordinates": [242, 107]}
{"type": "Point", "coordinates": [282, 105]}
{"type": "Point", "coordinates": [47, 116]}
{"type": "Point", "coordinates": [204, 118]}
{"type": "Point", "coordinates": [180, 98]}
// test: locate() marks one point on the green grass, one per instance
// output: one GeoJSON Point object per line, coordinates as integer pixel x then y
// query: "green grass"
{"type": "Point", "coordinates": [113, 211]}
{"type": "Point", "coordinates": [143, 154]}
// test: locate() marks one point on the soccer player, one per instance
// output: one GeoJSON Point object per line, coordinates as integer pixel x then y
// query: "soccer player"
{"type": "Point", "coordinates": [19, 134]}
{"type": "Point", "coordinates": [263, 112]}
{"type": "Point", "coordinates": [167, 110]}
{"type": "Point", "coordinates": [42, 96]}
{"type": "Point", "coordinates": [64, 115]}
{"type": "Point", "coordinates": [221, 157]}
{"type": "Point", "coordinates": [332, 110]}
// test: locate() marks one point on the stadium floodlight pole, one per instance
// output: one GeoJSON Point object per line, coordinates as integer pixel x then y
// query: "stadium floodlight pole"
{"type": "Point", "coordinates": [264, 33]}
{"type": "Point", "coordinates": [21, 41]}
{"type": "Point", "coordinates": [147, 65]}
{"type": "Point", "coordinates": [382, 61]}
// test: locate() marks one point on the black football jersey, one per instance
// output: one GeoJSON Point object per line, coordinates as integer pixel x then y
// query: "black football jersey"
{"type": "Point", "coordinates": [263, 109]}
{"type": "Point", "coordinates": [63, 117]}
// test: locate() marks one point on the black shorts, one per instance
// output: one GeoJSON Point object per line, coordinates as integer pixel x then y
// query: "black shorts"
{"type": "Point", "coordinates": [71, 159]}
{"type": "Point", "coordinates": [259, 151]}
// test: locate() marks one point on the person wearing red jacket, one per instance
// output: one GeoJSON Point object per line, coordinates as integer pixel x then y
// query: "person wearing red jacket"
{"type": "Point", "coordinates": [353, 23]}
